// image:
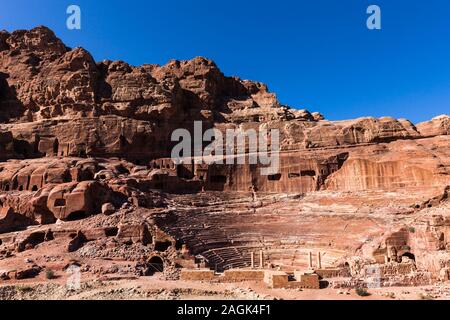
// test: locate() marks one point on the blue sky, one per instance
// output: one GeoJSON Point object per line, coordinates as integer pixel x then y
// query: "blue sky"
{"type": "Point", "coordinates": [315, 54]}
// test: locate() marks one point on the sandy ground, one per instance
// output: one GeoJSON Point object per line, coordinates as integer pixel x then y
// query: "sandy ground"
{"type": "Point", "coordinates": [155, 288]}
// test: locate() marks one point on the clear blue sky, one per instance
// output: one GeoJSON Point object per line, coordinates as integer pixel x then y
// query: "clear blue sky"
{"type": "Point", "coordinates": [315, 54]}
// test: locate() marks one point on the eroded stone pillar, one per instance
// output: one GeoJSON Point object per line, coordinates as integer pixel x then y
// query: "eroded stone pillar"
{"type": "Point", "coordinates": [319, 260]}
{"type": "Point", "coordinates": [310, 260]}
{"type": "Point", "coordinates": [252, 258]}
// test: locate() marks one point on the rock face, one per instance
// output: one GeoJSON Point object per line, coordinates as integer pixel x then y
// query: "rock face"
{"type": "Point", "coordinates": [68, 82]}
{"type": "Point", "coordinates": [79, 138]}
{"type": "Point", "coordinates": [398, 165]}
{"type": "Point", "coordinates": [75, 200]}
{"type": "Point", "coordinates": [51, 94]}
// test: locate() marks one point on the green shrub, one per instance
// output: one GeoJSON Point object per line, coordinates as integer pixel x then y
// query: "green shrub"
{"type": "Point", "coordinates": [425, 297]}
{"type": "Point", "coordinates": [50, 274]}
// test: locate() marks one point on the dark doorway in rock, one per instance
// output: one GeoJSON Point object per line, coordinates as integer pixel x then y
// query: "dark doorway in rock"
{"type": "Point", "coordinates": [156, 265]}
{"type": "Point", "coordinates": [184, 173]}
{"type": "Point", "coordinates": [162, 246]}
{"type": "Point", "coordinates": [77, 215]}
{"type": "Point", "coordinates": [308, 173]}
{"type": "Point", "coordinates": [7, 187]}
{"type": "Point", "coordinates": [218, 179]}
{"type": "Point", "coordinates": [87, 176]}
{"type": "Point", "coordinates": [55, 147]}
{"type": "Point", "coordinates": [274, 177]}
{"type": "Point", "coordinates": [410, 256]}
{"type": "Point", "coordinates": [60, 203]}
{"type": "Point", "coordinates": [111, 232]}
{"type": "Point", "coordinates": [34, 188]}
{"type": "Point", "coordinates": [178, 245]}
{"type": "Point", "coordinates": [122, 170]}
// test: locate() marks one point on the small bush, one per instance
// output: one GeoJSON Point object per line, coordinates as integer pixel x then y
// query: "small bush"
{"type": "Point", "coordinates": [425, 297]}
{"type": "Point", "coordinates": [362, 292]}
{"type": "Point", "coordinates": [24, 289]}
{"type": "Point", "coordinates": [50, 274]}
{"type": "Point", "coordinates": [391, 295]}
